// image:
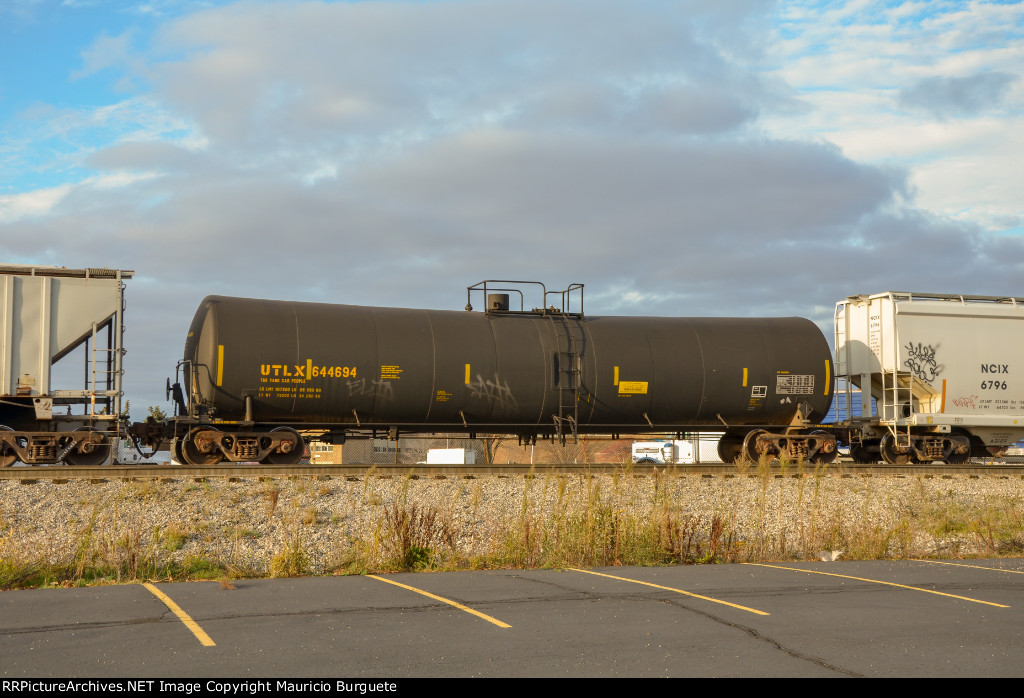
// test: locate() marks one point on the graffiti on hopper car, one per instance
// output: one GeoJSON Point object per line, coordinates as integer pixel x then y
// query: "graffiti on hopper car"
{"type": "Point", "coordinates": [922, 362]}
{"type": "Point", "coordinates": [968, 402]}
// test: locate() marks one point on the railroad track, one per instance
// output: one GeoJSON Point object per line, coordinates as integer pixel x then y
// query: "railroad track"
{"type": "Point", "coordinates": [237, 470]}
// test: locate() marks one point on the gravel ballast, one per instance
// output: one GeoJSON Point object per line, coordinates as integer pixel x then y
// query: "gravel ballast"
{"type": "Point", "coordinates": [242, 525]}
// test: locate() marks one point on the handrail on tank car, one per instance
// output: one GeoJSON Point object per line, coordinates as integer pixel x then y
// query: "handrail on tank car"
{"type": "Point", "coordinates": [483, 288]}
{"type": "Point", "coordinates": [565, 296]}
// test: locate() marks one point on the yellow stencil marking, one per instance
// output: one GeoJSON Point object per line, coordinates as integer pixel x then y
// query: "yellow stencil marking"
{"type": "Point", "coordinates": [443, 600]}
{"type": "Point", "coordinates": [220, 364]}
{"type": "Point", "coordinates": [744, 377]}
{"type": "Point", "coordinates": [977, 567]}
{"type": "Point", "coordinates": [680, 591]}
{"type": "Point", "coordinates": [615, 376]}
{"type": "Point", "coordinates": [879, 581]}
{"type": "Point", "coordinates": [182, 616]}
{"type": "Point", "coordinates": [467, 374]}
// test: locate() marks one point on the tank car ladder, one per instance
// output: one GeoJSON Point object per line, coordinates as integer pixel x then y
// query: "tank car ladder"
{"type": "Point", "coordinates": [567, 379]}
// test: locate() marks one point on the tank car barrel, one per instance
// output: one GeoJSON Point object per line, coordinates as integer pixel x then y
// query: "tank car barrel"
{"type": "Point", "coordinates": [530, 372]}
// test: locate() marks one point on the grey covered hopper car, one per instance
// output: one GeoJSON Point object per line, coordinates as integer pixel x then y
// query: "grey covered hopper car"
{"type": "Point", "coordinates": [342, 370]}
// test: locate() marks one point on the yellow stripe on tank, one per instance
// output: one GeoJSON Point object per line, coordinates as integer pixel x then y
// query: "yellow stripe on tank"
{"type": "Point", "coordinates": [828, 375]}
{"type": "Point", "coordinates": [467, 375]}
{"type": "Point", "coordinates": [220, 365]}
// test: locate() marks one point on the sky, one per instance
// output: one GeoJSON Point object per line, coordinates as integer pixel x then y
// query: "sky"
{"type": "Point", "coordinates": [678, 157]}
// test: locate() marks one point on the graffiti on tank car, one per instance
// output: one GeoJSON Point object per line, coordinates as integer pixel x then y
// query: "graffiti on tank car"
{"type": "Point", "coordinates": [496, 390]}
{"type": "Point", "coordinates": [921, 361]}
{"type": "Point", "coordinates": [383, 389]}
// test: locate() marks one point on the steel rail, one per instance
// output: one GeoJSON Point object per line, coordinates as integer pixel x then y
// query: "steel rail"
{"type": "Point", "coordinates": [242, 470]}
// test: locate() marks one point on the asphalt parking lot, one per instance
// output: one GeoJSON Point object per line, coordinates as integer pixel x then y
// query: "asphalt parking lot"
{"type": "Point", "coordinates": [879, 618]}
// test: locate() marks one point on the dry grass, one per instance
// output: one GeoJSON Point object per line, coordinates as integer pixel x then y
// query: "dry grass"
{"type": "Point", "coordinates": [376, 525]}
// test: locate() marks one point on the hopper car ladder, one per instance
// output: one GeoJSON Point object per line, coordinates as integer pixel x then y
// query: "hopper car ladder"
{"type": "Point", "coordinates": [103, 368]}
{"type": "Point", "coordinates": [895, 388]}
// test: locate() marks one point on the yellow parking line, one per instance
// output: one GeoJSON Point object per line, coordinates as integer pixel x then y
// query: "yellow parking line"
{"type": "Point", "coordinates": [977, 567]}
{"type": "Point", "coordinates": [680, 591]}
{"type": "Point", "coordinates": [182, 616]}
{"type": "Point", "coordinates": [443, 600]}
{"type": "Point", "coordinates": [878, 581]}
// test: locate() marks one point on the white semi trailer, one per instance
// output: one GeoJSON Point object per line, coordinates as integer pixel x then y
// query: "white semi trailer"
{"type": "Point", "coordinates": [946, 373]}
{"type": "Point", "coordinates": [695, 448]}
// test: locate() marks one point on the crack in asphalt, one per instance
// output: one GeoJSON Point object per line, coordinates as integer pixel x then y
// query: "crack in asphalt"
{"type": "Point", "coordinates": [753, 632]}
{"type": "Point", "coordinates": [711, 616]}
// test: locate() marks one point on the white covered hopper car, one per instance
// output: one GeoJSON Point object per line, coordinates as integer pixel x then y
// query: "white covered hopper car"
{"type": "Point", "coordinates": [946, 373]}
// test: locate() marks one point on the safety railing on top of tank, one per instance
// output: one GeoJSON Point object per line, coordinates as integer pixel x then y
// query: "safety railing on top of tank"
{"type": "Point", "coordinates": [566, 299]}
{"type": "Point", "coordinates": [497, 300]}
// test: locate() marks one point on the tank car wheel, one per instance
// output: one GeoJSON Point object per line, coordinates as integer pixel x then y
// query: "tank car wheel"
{"type": "Point", "coordinates": [730, 446]}
{"type": "Point", "coordinates": [91, 451]}
{"type": "Point", "coordinates": [750, 447]}
{"type": "Point", "coordinates": [287, 454]}
{"type": "Point", "coordinates": [7, 455]}
{"type": "Point", "coordinates": [194, 451]}
{"type": "Point", "coordinates": [177, 453]}
{"type": "Point", "coordinates": [823, 457]}
{"type": "Point", "coordinates": [891, 455]}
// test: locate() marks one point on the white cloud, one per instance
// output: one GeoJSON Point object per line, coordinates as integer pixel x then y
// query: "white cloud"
{"type": "Point", "coordinates": [41, 202]}
{"type": "Point", "coordinates": [934, 88]}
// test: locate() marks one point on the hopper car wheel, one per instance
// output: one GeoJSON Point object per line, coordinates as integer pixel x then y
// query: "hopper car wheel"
{"type": "Point", "coordinates": [890, 454]}
{"type": "Point", "coordinates": [91, 451]}
{"type": "Point", "coordinates": [294, 452]}
{"type": "Point", "coordinates": [193, 450]}
{"type": "Point", "coordinates": [864, 453]}
{"type": "Point", "coordinates": [955, 458]}
{"type": "Point", "coordinates": [7, 455]}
